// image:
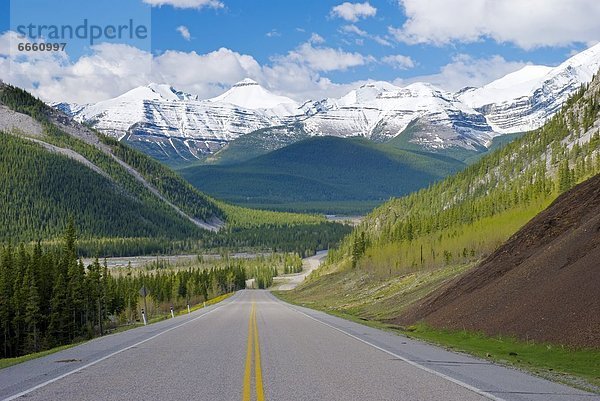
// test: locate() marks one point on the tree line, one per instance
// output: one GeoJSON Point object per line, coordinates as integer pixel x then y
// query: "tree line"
{"type": "Point", "coordinates": [49, 298]}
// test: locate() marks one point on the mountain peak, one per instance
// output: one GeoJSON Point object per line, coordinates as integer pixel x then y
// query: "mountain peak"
{"type": "Point", "coordinates": [167, 92]}
{"type": "Point", "coordinates": [250, 94]}
{"type": "Point", "coordinates": [246, 82]}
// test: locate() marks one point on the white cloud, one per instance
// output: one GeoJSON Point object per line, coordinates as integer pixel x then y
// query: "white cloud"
{"type": "Point", "coordinates": [399, 61]}
{"type": "Point", "coordinates": [382, 41]}
{"type": "Point", "coordinates": [528, 24]}
{"type": "Point", "coordinates": [353, 11]}
{"type": "Point", "coordinates": [353, 29]}
{"type": "Point", "coordinates": [324, 58]}
{"type": "Point", "coordinates": [316, 39]}
{"type": "Point", "coordinates": [273, 33]}
{"type": "Point", "coordinates": [186, 3]}
{"type": "Point", "coordinates": [185, 32]}
{"type": "Point", "coordinates": [465, 70]}
{"type": "Point", "coordinates": [112, 69]}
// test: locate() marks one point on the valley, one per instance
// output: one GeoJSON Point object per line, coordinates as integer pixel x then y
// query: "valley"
{"type": "Point", "coordinates": [448, 262]}
{"type": "Point", "coordinates": [323, 175]}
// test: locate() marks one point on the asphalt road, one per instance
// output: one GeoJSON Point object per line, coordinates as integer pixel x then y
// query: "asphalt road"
{"type": "Point", "coordinates": [255, 347]}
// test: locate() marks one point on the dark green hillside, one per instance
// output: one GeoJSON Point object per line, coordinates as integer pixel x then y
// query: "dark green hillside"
{"type": "Point", "coordinates": [257, 143]}
{"type": "Point", "coordinates": [123, 202]}
{"type": "Point", "coordinates": [167, 182]}
{"type": "Point", "coordinates": [40, 190]}
{"type": "Point", "coordinates": [324, 170]}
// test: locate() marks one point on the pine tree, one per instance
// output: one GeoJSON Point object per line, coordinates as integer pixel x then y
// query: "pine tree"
{"type": "Point", "coordinates": [58, 329]}
{"type": "Point", "coordinates": [76, 280]}
{"type": "Point", "coordinates": [19, 297]}
{"type": "Point", "coordinates": [6, 267]}
{"type": "Point", "coordinates": [32, 313]}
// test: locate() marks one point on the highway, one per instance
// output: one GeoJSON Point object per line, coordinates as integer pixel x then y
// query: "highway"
{"type": "Point", "coordinates": [255, 347]}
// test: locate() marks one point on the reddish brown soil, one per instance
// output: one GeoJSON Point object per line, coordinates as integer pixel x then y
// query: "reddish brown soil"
{"type": "Point", "coordinates": [542, 284]}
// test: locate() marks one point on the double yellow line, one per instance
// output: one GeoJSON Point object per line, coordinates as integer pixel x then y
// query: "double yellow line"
{"type": "Point", "coordinates": [253, 345]}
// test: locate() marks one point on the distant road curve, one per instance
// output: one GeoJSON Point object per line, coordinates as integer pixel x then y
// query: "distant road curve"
{"type": "Point", "coordinates": [255, 347]}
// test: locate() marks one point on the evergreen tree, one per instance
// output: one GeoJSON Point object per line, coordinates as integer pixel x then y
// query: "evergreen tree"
{"type": "Point", "coordinates": [6, 267]}
{"type": "Point", "coordinates": [32, 313]}
{"type": "Point", "coordinates": [58, 329]}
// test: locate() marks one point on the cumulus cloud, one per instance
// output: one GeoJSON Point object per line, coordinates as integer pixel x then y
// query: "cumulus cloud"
{"type": "Point", "coordinates": [186, 3]}
{"type": "Point", "coordinates": [316, 39]}
{"type": "Point", "coordinates": [399, 61]}
{"type": "Point", "coordinates": [324, 58]}
{"type": "Point", "coordinates": [185, 32]}
{"type": "Point", "coordinates": [112, 69]}
{"type": "Point", "coordinates": [353, 11]}
{"type": "Point", "coordinates": [465, 70]}
{"type": "Point", "coordinates": [527, 24]}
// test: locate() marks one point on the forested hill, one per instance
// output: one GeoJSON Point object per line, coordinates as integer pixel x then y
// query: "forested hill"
{"type": "Point", "coordinates": [471, 213]}
{"type": "Point", "coordinates": [52, 168]}
{"type": "Point", "coordinates": [327, 174]}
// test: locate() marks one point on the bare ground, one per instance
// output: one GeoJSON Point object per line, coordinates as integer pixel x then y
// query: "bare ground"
{"type": "Point", "coordinates": [543, 284]}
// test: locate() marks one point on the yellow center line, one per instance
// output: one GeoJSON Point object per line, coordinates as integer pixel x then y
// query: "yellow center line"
{"type": "Point", "coordinates": [253, 345]}
{"type": "Point", "coordinates": [248, 371]}
{"type": "Point", "coordinates": [260, 396]}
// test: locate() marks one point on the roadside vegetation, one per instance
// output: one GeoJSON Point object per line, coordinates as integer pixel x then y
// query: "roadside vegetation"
{"type": "Point", "coordinates": [465, 217]}
{"type": "Point", "coordinates": [577, 367]}
{"type": "Point", "coordinates": [48, 298]}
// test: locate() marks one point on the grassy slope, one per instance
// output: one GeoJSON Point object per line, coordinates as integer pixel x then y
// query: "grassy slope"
{"type": "Point", "coordinates": [322, 171]}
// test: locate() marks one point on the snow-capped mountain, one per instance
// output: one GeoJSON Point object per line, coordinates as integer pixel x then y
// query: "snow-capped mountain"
{"type": "Point", "coordinates": [168, 123]}
{"type": "Point", "coordinates": [178, 123]}
{"type": "Point", "coordinates": [248, 94]}
{"type": "Point", "coordinates": [525, 99]}
{"type": "Point", "coordinates": [381, 111]}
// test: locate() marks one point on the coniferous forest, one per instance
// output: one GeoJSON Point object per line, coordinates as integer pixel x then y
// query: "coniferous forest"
{"type": "Point", "coordinates": [41, 187]}
{"type": "Point", "coordinates": [48, 297]}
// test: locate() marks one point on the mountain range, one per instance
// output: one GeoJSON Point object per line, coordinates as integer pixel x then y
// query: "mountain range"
{"type": "Point", "coordinates": [177, 127]}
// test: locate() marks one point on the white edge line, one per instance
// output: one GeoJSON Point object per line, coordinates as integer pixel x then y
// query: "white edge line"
{"type": "Point", "coordinates": [44, 384]}
{"type": "Point", "coordinates": [413, 363]}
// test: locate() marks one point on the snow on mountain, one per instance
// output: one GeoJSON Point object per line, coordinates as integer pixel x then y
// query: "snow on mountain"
{"type": "Point", "coordinates": [525, 99]}
{"type": "Point", "coordinates": [250, 95]}
{"type": "Point", "coordinates": [160, 113]}
{"type": "Point", "coordinates": [178, 124]}
{"type": "Point", "coordinates": [381, 112]}
{"type": "Point", "coordinates": [512, 86]}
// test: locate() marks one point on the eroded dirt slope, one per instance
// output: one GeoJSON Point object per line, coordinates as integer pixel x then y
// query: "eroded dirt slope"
{"type": "Point", "coordinates": [542, 284]}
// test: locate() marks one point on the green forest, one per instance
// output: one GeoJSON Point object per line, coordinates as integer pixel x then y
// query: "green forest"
{"type": "Point", "coordinates": [322, 174]}
{"type": "Point", "coordinates": [115, 212]}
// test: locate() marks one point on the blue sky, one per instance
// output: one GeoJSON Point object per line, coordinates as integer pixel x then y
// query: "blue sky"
{"type": "Point", "coordinates": [243, 26]}
{"type": "Point", "coordinates": [298, 48]}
